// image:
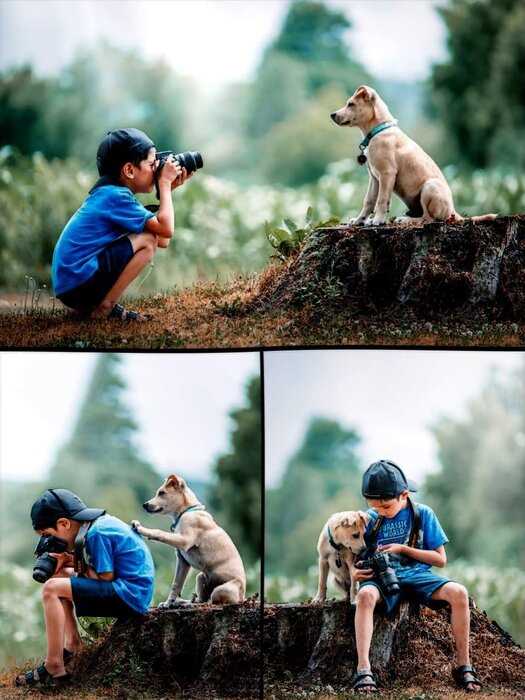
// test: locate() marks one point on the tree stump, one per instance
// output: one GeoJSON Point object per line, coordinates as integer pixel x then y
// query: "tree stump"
{"type": "Point", "coordinates": [433, 270]}
{"type": "Point", "coordinates": [200, 650]}
{"type": "Point", "coordinates": [313, 646]}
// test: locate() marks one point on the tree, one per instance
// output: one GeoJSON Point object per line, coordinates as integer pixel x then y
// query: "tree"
{"type": "Point", "coordinates": [236, 493]}
{"type": "Point", "coordinates": [103, 88]}
{"type": "Point", "coordinates": [100, 460]}
{"type": "Point", "coordinates": [322, 472]}
{"type": "Point", "coordinates": [309, 53]}
{"type": "Point", "coordinates": [478, 492]}
{"type": "Point", "coordinates": [478, 92]}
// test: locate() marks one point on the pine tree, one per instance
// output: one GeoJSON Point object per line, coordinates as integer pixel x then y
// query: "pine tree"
{"type": "Point", "coordinates": [236, 494]}
{"type": "Point", "coordinates": [100, 461]}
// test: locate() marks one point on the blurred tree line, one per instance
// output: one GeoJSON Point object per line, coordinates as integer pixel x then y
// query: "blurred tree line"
{"type": "Point", "coordinates": [102, 463]}
{"type": "Point", "coordinates": [477, 492]}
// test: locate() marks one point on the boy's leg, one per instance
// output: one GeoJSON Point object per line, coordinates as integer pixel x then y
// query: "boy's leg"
{"type": "Point", "coordinates": [144, 248]}
{"type": "Point", "coordinates": [72, 639]}
{"type": "Point", "coordinates": [366, 600]}
{"type": "Point", "coordinates": [457, 597]}
{"type": "Point", "coordinates": [54, 591]}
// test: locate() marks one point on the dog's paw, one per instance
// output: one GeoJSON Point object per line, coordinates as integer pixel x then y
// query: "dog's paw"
{"type": "Point", "coordinates": [356, 221]}
{"type": "Point", "coordinates": [376, 221]}
{"type": "Point", "coordinates": [317, 600]}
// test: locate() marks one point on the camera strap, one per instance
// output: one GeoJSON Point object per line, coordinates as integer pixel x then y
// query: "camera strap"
{"type": "Point", "coordinates": [80, 564]}
{"type": "Point", "coordinates": [412, 540]}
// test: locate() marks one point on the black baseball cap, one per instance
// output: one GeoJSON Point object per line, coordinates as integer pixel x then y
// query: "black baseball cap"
{"type": "Point", "coordinates": [118, 147]}
{"type": "Point", "coordinates": [60, 503]}
{"type": "Point", "coordinates": [385, 479]}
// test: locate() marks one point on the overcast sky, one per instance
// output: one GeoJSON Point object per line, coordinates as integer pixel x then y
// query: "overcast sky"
{"type": "Point", "coordinates": [390, 396]}
{"type": "Point", "coordinates": [214, 41]}
{"type": "Point", "coordinates": [180, 401]}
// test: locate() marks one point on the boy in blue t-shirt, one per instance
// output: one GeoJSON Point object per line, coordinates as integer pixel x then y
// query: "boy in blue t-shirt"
{"type": "Point", "coordinates": [118, 576]}
{"type": "Point", "coordinates": [413, 549]}
{"type": "Point", "coordinates": [111, 238]}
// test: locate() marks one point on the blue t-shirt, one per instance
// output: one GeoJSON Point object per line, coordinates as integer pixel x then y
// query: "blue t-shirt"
{"type": "Point", "coordinates": [108, 213]}
{"type": "Point", "coordinates": [112, 546]}
{"type": "Point", "coordinates": [397, 530]}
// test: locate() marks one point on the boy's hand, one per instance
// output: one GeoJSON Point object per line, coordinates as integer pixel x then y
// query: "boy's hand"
{"type": "Point", "coordinates": [181, 179]}
{"type": "Point", "coordinates": [63, 559]}
{"type": "Point", "coordinates": [171, 170]}
{"type": "Point", "coordinates": [135, 525]}
{"type": "Point", "coordinates": [392, 548]}
{"type": "Point", "coordinates": [361, 574]}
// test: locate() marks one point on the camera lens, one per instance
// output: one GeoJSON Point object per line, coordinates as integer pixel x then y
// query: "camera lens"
{"type": "Point", "coordinates": [191, 160]}
{"type": "Point", "coordinates": [44, 568]}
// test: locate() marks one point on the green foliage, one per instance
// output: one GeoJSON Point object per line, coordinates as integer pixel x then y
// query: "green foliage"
{"type": "Point", "coordinates": [101, 89]}
{"type": "Point", "coordinates": [478, 93]}
{"type": "Point", "coordinates": [324, 472]}
{"type": "Point", "coordinates": [479, 490]}
{"type": "Point", "coordinates": [287, 240]}
{"type": "Point", "coordinates": [236, 491]}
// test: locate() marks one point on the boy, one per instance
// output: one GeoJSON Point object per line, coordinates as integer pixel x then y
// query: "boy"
{"type": "Point", "coordinates": [118, 581]}
{"type": "Point", "coordinates": [415, 541]}
{"type": "Point", "coordinates": [112, 237]}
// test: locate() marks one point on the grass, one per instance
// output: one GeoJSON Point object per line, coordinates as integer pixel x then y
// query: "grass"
{"type": "Point", "coordinates": [210, 315]}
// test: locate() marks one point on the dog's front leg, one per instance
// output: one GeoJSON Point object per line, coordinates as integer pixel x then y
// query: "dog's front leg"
{"type": "Point", "coordinates": [171, 538]}
{"type": "Point", "coordinates": [181, 572]}
{"type": "Point", "coordinates": [320, 596]}
{"type": "Point", "coordinates": [369, 201]}
{"type": "Point", "coordinates": [387, 180]}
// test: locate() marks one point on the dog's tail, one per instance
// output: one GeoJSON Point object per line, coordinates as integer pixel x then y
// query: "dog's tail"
{"type": "Point", "coordinates": [456, 218]}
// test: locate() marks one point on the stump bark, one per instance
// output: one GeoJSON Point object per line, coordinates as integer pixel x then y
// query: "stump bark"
{"type": "Point", "coordinates": [202, 651]}
{"type": "Point", "coordinates": [433, 270]}
{"type": "Point", "coordinates": [313, 646]}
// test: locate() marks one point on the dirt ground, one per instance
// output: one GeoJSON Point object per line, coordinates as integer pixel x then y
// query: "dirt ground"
{"type": "Point", "coordinates": [211, 315]}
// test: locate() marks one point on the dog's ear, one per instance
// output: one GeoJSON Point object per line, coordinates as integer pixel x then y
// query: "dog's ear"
{"type": "Point", "coordinates": [345, 522]}
{"type": "Point", "coordinates": [174, 482]}
{"type": "Point", "coordinates": [365, 93]}
{"type": "Point", "coordinates": [363, 517]}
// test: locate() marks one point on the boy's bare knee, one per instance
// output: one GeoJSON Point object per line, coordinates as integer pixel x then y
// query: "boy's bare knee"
{"type": "Point", "coordinates": [367, 597]}
{"type": "Point", "coordinates": [49, 589]}
{"type": "Point", "coordinates": [458, 594]}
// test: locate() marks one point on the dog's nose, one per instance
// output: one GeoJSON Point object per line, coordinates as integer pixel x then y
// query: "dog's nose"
{"type": "Point", "coordinates": [145, 505]}
{"type": "Point", "coordinates": [332, 117]}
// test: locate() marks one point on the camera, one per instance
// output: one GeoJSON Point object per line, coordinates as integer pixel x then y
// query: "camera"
{"type": "Point", "coordinates": [45, 565]}
{"type": "Point", "coordinates": [191, 160]}
{"type": "Point", "coordinates": [379, 562]}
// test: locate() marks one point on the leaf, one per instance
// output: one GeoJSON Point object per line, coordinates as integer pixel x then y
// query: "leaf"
{"type": "Point", "coordinates": [291, 226]}
{"type": "Point", "coordinates": [309, 214]}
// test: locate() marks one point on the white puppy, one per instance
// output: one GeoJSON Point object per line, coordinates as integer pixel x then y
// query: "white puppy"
{"type": "Point", "coordinates": [200, 544]}
{"type": "Point", "coordinates": [395, 164]}
{"type": "Point", "coordinates": [341, 540]}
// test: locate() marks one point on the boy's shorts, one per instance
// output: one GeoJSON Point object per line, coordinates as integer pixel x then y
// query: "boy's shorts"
{"type": "Point", "coordinates": [416, 584]}
{"type": "Point", "coordinates": [111, 261]}
{"type": "Point", "coordinates": [93, 598]}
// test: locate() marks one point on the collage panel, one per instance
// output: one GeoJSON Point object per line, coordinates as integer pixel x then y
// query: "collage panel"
{"type": "Point", "coordinates": [393, 523]}
{"type": "Point", "coordinates": [131, 524]}
{"type": "Point", "coordinates": [316, 173]}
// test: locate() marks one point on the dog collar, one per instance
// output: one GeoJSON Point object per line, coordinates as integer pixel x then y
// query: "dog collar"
{"type": "Point", "coordinates": [332, 541]}
{"type": "Point", "coordinates": [361, 158]}
{"type": "Point", "coordinates": [179, 516]}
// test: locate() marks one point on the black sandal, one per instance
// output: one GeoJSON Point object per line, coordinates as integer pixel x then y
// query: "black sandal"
{"type": "Point", "coordinates": [362, 681]}
{"type": "Point", "coordinates": [465, 676]}
{"type": "Point", "coordinates": [122, 314]}
{"type": "Point", "coordinates": [40, 676]}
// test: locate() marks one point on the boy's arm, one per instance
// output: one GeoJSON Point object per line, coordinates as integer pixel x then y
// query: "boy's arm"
{"type": "Point", "coordinates": [106, 576]}
{"type": "Point", "coordinates": [434, 557]}
{"type": "Point", "coordinates": [163, 223]}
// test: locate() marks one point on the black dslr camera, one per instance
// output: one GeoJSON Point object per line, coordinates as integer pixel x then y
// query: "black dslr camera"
{"type": "Point", "coordinates": [379, 562]}
{"type": "Point", "coordinates": [45, 565]}
{"type": "Point", "coordinates": [191, 160]}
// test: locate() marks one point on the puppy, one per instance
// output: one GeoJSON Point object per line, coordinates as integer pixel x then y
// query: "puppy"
{"type": "Point", "coordinates": [396, 164]}
{"type": "Point", "coordinates": [200, 543]}
{"type": "Point", "coordinates": [341, 540]}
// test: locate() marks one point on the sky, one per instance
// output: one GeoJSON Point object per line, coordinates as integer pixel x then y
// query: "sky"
{"type": "Point", "coordinates": [180, 401]}
{"type": "Point", "coordinates": [390, 396]}
{"type": "Point", "coordinates": [215, 42]}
